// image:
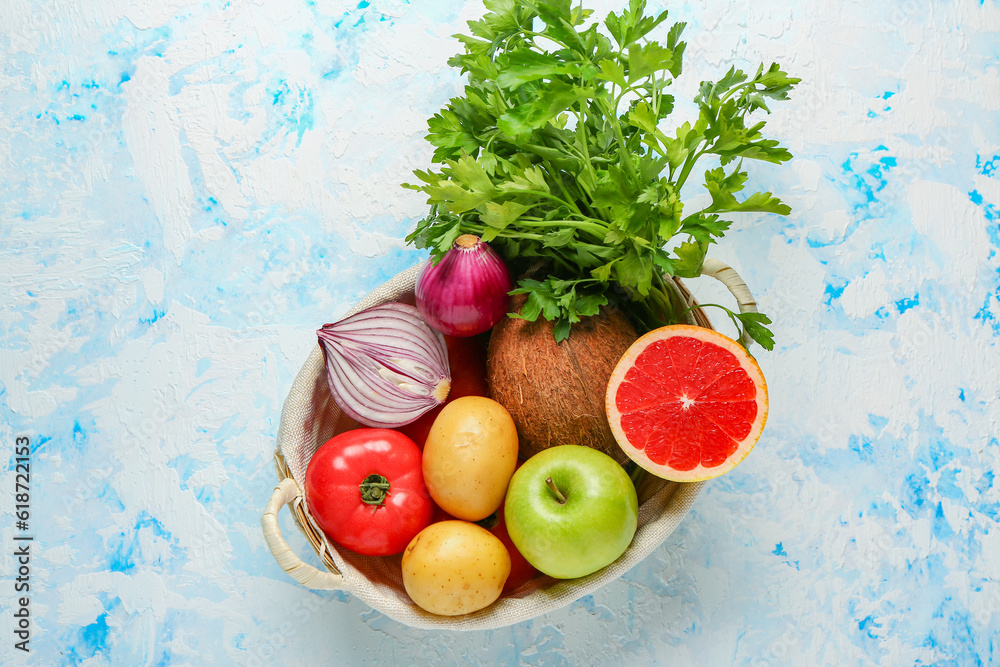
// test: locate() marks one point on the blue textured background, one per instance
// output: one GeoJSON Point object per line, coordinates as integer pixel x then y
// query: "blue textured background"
{"type": "Point", "coordinates": [187, 190]}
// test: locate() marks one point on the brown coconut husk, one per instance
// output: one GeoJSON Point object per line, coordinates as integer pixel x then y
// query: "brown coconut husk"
{"type": "Point", "coordinates": [555, 391]}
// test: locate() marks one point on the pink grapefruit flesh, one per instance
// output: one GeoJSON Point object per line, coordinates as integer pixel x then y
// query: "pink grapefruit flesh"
{"type": "Point", "coordinates": [686, 403]}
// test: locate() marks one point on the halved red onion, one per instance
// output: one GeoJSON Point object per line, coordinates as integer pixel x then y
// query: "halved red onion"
{"type": "Point", "coordinates": [466, 292]}
{"type": "Point", "coordinates": [385, 365]}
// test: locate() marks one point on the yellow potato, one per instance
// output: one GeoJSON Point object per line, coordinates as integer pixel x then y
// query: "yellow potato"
{"type": "Point", "coordinates": [455, 567]}
{"type": "Point", "coordinates": [469, 457]}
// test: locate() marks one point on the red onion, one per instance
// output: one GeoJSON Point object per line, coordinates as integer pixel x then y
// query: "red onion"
{"type": "Point", "coordinates": [466, 292]}
{"type": "Point", "coordinates": [385, 366]}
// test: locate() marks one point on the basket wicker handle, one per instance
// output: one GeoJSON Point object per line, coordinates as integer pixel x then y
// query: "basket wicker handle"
{"type": "Point", "coordinates": [728, 277]}
{"type": "Point", "coordinates": [307, 575]}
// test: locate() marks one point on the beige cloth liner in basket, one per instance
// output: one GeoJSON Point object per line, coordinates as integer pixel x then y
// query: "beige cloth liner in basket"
{"type": "Point", "coordinates": [310, 417]}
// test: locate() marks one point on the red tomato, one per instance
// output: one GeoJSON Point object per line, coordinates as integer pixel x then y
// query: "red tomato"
{"type": "Point", "coordinates": [467, 361]}
{"type": "Point", "coordinates": [365, 488]}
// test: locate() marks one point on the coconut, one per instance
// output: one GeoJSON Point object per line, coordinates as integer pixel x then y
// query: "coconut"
{"type": "Point", "coordinates": [555, 391]}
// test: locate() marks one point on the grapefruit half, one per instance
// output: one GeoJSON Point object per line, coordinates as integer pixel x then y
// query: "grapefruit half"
{"type": "Point", "coordinates": [686, 403]}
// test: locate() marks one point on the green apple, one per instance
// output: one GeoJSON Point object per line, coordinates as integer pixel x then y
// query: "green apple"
{"type": "Point", "coordinates": [571, 510]}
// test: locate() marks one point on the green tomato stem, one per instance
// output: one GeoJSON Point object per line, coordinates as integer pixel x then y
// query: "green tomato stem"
{"type": "Point", "coordinates": [374, 490]}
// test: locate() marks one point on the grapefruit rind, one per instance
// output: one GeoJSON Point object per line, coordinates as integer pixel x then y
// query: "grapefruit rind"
{"type": "Point", "coordinates": [712, 337]}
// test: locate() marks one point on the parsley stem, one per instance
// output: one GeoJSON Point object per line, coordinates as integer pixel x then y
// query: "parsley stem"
{"type": "Point", "coordinates": [581, 129]}
{"type": "Point", "coordinates": [595, 229]}
{"type": "Point", "coordinates": [548, 195]}
{"type": "Point", "coordinates": [689, 164]}
{"type": "Point", "coordinates": [479, 230]}
{"type": "Point", "coordinates": [532, 33]}
{"type": "Point", "coordinates": [569, 200]}
{"type": "Point", "coordinates": [624, 157]}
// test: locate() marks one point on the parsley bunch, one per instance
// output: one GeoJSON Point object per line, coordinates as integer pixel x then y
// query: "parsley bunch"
{"type": "Point", "coordinates": [558, 156]}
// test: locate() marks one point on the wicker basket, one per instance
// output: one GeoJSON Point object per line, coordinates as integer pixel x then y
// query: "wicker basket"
{"type": "Point", "coordinates": [310, 417]}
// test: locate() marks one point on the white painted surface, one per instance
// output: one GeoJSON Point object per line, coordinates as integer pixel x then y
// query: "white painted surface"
{"type": "Point", "coordinates": [188, 190]}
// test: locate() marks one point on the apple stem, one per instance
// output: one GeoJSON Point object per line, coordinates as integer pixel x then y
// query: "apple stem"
{"type": "Point", "coordinates": [555, 489]}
